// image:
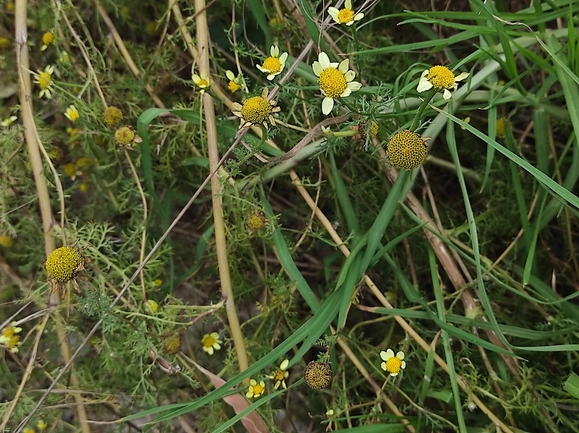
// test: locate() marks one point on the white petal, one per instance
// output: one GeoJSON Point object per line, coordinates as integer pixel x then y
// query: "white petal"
{"type": "Point", "coordinates": [424, 74]}
{"type": "Point", "coordinates": [423, 86]}
{"type": "Point", "coordinates": [400, 355]}
{"type": "Point", "coordinates": [327, 105]}
{"type": "Point", "coordinates": [317, 68]}
{"type": "Point", "coordinates": [334, 13]}
{"type": "Point", "coordinates": [271, 76]}
{"type": "Point", "coordinates": [284, 365]}
{"type": "Point", "coordinates": [283, 58]}
{"type": "Point", "coordinates": [230, 75]}
{"type": "Point", "coordinates": [358, 17]}
{"type": "Point", "coordinates": [349, 23]}
{"type": "Point", "coordinates": [446, 94]}
{"type": "Point", "coordinates": [347, 92]}
{"type": "Point", "coordinates": [196, 78]}
{"type": "Point", "coordinates": [403, 365]}
{"type": "Point", "coordinates": [348, 4]}
{"type": "Point", "coordinates": [461, 76]}
{"type": "Point", "coordinates": [324, 60]}
{"type": "Point", "coordinates": [265, 71]}
{"type": "Point", "coordinates": [344, 66]}
{"type": "Point", "coordinates": [349, 76]}
{"type": "Point", "coordinates": [354, 85]}
{"type": "Point", "coordinates": [274, 51]}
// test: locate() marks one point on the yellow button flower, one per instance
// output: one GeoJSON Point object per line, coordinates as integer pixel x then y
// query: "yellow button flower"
{"type": "Point", "coordinates": [392, 364]}
{"type": "Point", "coordinates": [10, 338]}
{"type": "Point", "coordinates": [441, 79]}
{"type": "Point", "coordinates": [203, 81]}
{"type": "Point", "coordinates": [211, 343]}
{"type": "Point", "coordinates": [280, 375]}
{"type": "Point", "coordinates": [234, 82]}
{"type": "Point", "coordinates": [112, 116]}
{"type": "Point", "coordinates": [47, 39]}
{"type": "Point", "coordinates": [335, 80]}
{"type": "Point", "coordinates": [256, 110]}
{"type": "Point", "coordinates": [44, 80]}
{"type": "Point", "coordinates": [255, 389]}
{"type": "Point", "coordinates": [274, 64]}
{"type": "Point", "coordinates": [152, 306]}
{"type": "Point", "coordinates": [72, 113]}
{"type": "Point", "coordinates": [407, 150]}
{"type": "Point", "coordinates": [345, 15]}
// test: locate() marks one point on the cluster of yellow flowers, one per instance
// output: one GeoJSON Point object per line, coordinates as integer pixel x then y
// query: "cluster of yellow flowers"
{"type": "Point", "coordinates": [10, 337]}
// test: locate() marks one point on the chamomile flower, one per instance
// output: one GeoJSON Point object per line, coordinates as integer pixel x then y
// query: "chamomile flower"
{"type": "Point", "coordinates": [345, 15]}
{"type": "Point", "coordinates": [255, 389]}
{"type": "Point", "coordinates": [72, 113]}
{"type": "Point", "coordinates": [47, 39]}
{"type": "Point", "coordinates": [392, 364]}
{"type": "Point", "coordinates": [211, 343]}
{"type": "Point", "coordinates": [441, 79]}
{"type": "Point", "coordinates": [203, 81]}
{"type": "Point", "coordinates": [8, 121]}
{"type": "Point", "coordinates": [126, 136]}
{"type": "Point", "coordinates": [9, 337]}
{"type": "Point", "coordinates": [274, 64]}
{"type": "Point", "coordinates": [280, 375]}
{"type": "Point", "coordinates": [234, 82]}
{"type": "Point", "coordinates": [256, 110]}
{"type": "Point", "coordinates": [335, 80]}
{"type": "Point", "coordinates": [44, 80]}
{"type": "Point", "coordinates": [152, 306]}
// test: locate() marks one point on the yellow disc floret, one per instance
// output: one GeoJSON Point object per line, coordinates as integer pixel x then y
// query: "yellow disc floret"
{"type": "Point", "coordinates": [124, 136]}
{"type": "Point", "coordinates": [256, 110]}
{"type": "Point", "coordinates": [332, 82]}
{"type": "Point", "coordinates": [62, 264]}
{"type": "Point", "coordinates": [406, 150]}
{"type": "Point", "coordinates": [272, 64]}
{"type": "Point", "coordinates": [317, 375]}
{"type": "Point", "coordinates": [346, 15]}
{"type": "Point", "coordinates": [441, 78]}
{"type": "Point", "coordinates": [112, 116]}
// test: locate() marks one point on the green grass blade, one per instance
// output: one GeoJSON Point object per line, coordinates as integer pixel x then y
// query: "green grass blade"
{"type": "Point", "coordinates": [256, 8]}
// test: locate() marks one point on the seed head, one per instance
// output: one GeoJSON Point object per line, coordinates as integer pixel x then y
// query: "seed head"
{"type": "Point", "coordinates": [112, 116]}
{"type": "Point", "coordinates": [317, 375]}
{"type": "Point", "coordinates": [62, 264]}
{"type": "Point", "coordinates": [407, 150]}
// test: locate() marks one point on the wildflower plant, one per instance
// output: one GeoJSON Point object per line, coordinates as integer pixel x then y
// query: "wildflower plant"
{"type": "Point", "coordinates": [336, 80]}
{"type": "Point", "coordinates": [305, 227]}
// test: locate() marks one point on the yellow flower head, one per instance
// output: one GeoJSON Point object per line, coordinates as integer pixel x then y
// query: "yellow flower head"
{"type": "Point", "coordinates": [234, 82]}
{"type": "Point", "coordinates": [211, 343]}
{"type": "Point", "coordinates": [112, 116]}
{"type": "Point", "coordinates": [318, 375]}
{"type": "Point", "coordinates": [441, 79]}
{"type": "Point", "coordinates": [335, 80]}
{"type": "Point", "coordinates": [407, 149]}
{"type": "Point", "coordinates": [255, 389]}
{"type": "Point", "coordinates": [392, 364]}
{"type": "Point", "coordinates": [152, 306]}
{"type": "Point", "coordinates": [203, 81]}
{"type": "Point", "coordinates": [6, 241]}
{"type": "Point", "coordinates": [274, 64]}
{"type": "Point", "coordinates": [47, 39]}
{"type": "Point", "coordinates": [63, 263]}
{"type": "Point", "coordinates": [10, 338]}
{"type": "Point", "coordinates": [44, 80]}
{"type": "Point", "coordinates": [5, 42]}
{"type": "Point", "coordinates": [256, 110]}
{"type": "Point", "coordinates": [345, 15]}
{"type": "Point", "coordinates": [280, 375]}
{"type": "Point", "coordinates": [72, 113]}
{"type": "Point", "coordinates": [256, 220]}
{"type": "Point", "coordinates": [41, 425]}
{"type": "Point", "coordinates": [172, 344]}
{"type": "Point", "coordinates": [126, 136]}
{"type": "Point", "coordinates": [28, 430]}
{"type": "Point", "coordinates": [501, 127]}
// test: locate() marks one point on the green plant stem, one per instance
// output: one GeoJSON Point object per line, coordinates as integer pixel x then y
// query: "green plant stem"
{"type": "Point", "coordinates": [421, 109]}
